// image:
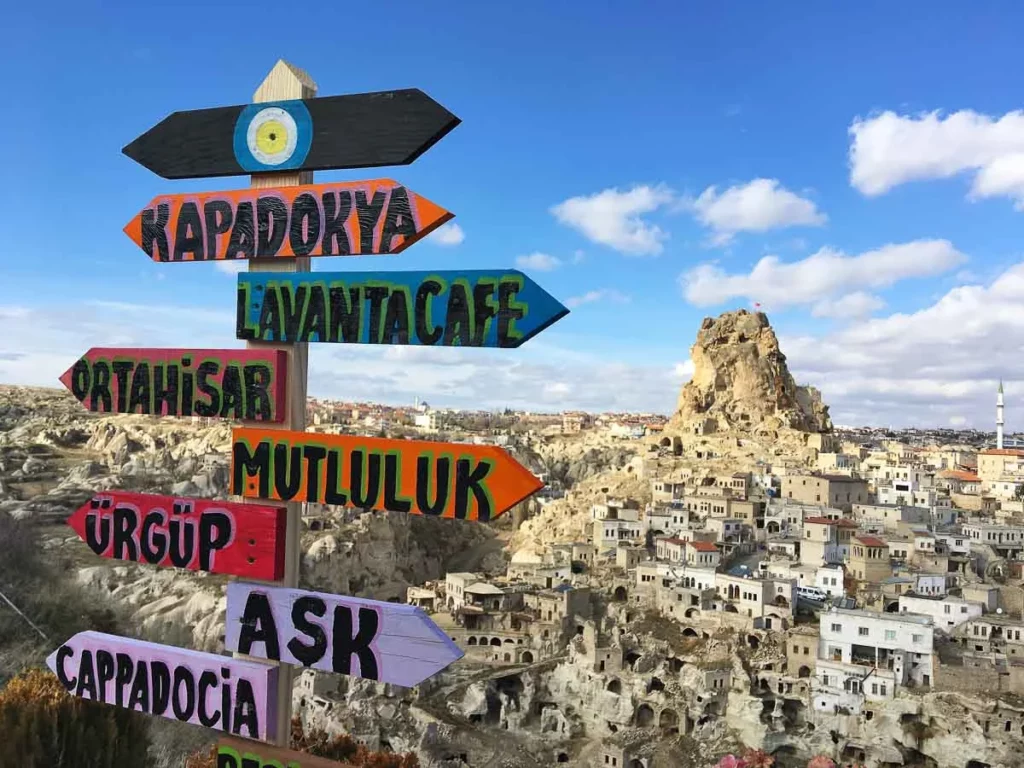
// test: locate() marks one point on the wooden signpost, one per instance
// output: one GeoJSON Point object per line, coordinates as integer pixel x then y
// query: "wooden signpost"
{"type": "Point", "coordinates": [239, 753]}
{"type": "Point", "coordinates": [217, 536]}
{"type": "Point", "coordinates": [468, 308]}
{"type": "Point", "coordinates": [346, 219]}
{"type": "Point", "coordinates": [386, 642]}
{"type": "Point", "coordinates": [217, 383]}
{"type": "Point", "coordinates": [466, 482]}
{"type": "Point", "coordinates": [206, 689]}
{"type": "Point", "coordinates": [277, 224]}
{"type": "Point", "coordinates": [362, 130]}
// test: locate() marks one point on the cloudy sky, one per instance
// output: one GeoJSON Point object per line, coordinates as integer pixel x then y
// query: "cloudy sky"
{"type": "Point", "coordinates": [857, 172]}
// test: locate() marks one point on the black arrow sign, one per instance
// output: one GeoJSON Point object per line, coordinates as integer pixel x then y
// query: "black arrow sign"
{"type": "Point", "coordinates": [362, 130]}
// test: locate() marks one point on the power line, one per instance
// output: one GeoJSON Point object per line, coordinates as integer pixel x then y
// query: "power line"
{"type": "Point", "coordinates": [26, 618]}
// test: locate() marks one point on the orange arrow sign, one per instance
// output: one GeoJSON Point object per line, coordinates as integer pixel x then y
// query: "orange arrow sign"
{"type": "Point", "coordinates": [467, 482]}
{"type": "Point", "coordinates": [351, 219]}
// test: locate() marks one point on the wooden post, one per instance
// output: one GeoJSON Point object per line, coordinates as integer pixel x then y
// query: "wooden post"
{"type": "Point", "coordinates": [286, 81]}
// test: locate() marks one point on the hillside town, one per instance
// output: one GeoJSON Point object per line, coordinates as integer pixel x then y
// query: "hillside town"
{"type": "Point", "coordinates": [740, 575]}
{"type": "Point", "coordinates": [847, 583]}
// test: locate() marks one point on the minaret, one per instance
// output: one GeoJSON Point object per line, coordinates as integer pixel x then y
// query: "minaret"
{"type": "Point", "coordinates": [999, 416]}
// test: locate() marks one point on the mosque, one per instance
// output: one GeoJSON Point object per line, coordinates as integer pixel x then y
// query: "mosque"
{"type": "Point", "coordinates": [1002, 442]}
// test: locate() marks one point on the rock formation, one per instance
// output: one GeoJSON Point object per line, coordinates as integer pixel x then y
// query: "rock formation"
{"type": "Point", "coordinates": [741, 382]}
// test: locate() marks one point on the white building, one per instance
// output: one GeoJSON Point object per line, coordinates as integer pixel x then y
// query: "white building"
{"type": "Point", "coordinates": [829, 578]}
{"type": "Point", "coordinates": [673, 550]}
{"type": "Point", "coordinates": [947, 612]}
{"type": "Point", "coordinates": [455, 588]}
{"type": "Point", "coordinates": [611, 511]}
{"type": "Point", "coordinates": [608, 533]}
{"type": "Point", "coordinates": [955, 543]}
{"type": "Point", "coordinates": [429, 421]}
{"type": "Point", "coordinates": [994, 535]}
{"type": "Point", "coordinates": [857, 649]}
{"type": "Point", "coordinates": [702, 554]}
{"type": "Point", "coordinates": [725, 528]}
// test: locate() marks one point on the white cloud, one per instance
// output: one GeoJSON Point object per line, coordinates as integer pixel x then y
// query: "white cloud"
{"type": "Point", "coordinates": [614, 218]}
{"type": "Point", "coordinates": [890, 149]}
{"type": "Point", "coordinates": [578, 256]}
{"type": "Point", "coordinates": [924, 367]}
{"type": "Point", "coordinates": [540, 262]}
{"type": "Point", "coordinates": [231, 266]}
{"type": "Point", "coordinates": [848, 306]}
{"type": "Point", "coordinates": [38, 344]}
{"type": "Point", "coordinates": [759, 205]}
{"type": "Point", "coordinates": [684, 370]}
{"type": "Point", "coordinates": [605, 294]}
{"type": "Point", "coordinates": [820, 276]}
{"type": "Point", "coordinates": [449, 234]}
{"type": "Point", "coordinates": [957, 421]}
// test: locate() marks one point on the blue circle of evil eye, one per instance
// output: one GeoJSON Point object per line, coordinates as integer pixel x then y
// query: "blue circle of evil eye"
{"type": "Point", "coordinates": [273, 136]}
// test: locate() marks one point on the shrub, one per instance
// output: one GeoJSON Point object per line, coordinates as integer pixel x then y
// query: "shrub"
{"type": "Point", "coordinates": [44, 726]}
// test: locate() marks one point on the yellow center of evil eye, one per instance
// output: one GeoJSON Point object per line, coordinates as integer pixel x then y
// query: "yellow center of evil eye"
{"type": "Point", "coordinates": [271, 137]}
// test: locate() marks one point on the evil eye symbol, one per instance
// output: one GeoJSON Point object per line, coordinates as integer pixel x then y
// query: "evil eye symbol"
{"type": "Point", "coordinates": [273, 137]}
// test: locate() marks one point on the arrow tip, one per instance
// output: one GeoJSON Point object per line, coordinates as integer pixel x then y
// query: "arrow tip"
{"type": "Point", "coordinates": [65, 378]}
{"type": "Point", "coordinates": [134, 229]}
{"type": "Point", "coordinates": [76, 520]}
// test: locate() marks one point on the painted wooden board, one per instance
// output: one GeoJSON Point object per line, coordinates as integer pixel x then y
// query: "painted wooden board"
{"type": "Point", "coordinates": [470, 308]}
{"type": "Point", "coordinates": [206, 689]}
{"type": "Point", "coordinates": [361, 130]}
{"type": "Point", "coordinates": [240, 753]}
{"type": "Point", "coordinates": [245, 540]}
{"type": "Point", "coordinates": [219, 383]}
{"type": "Point", "coordinates": [349, 219]}
{"type": "Point", "coordinates": [467, 482]}
{"type": "Point", "coordinates": [387, 642]}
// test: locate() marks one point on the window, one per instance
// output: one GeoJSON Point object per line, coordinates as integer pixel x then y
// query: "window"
{"type": "Point", "coordinates": [807, 650]}
{"type": "Point", "coordinates": [890, 634]}
{"type": "Point", "coordinates": [874, 689]}
{"type": "Point", "coordinates": [917, 638]}
{"type": "Point", "coordinates": [837, 627]}
{"type": "Point", "coordinates": [945, 609]}
{"type": "Point", "coordinates": [824, 679]}
{"type": "Point", "coordinates": [882, 689]}
{"type": "Point", "coordinates": [963, 609]}
{"type": "Point", "coordinates": [862, 631]}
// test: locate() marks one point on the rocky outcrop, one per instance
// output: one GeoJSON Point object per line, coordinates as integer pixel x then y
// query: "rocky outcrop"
{"type": "Point", "coordinates": [741, 382]}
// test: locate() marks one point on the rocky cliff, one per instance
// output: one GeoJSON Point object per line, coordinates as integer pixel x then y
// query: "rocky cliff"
{"type": "Point", "coordinates": [741, 382]}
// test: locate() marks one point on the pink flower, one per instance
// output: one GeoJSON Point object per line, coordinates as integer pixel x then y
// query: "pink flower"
{"type": "Point", "coordinates": [731, 761]}
{"type": "Point", "coordinates": [758, 758]}
{"type": "Point", "coordinates": [821, 761]}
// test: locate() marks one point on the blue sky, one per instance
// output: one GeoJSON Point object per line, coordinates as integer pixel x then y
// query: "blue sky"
{"type": "Point", "coordinates": [652, 157]}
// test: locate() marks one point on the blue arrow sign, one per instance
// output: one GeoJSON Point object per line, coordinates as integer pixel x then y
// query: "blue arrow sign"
{"type": "Point", "coordinates": [473, 308]}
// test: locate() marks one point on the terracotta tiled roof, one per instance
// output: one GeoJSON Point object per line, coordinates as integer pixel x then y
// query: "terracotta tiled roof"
{"type": "Point", "coordinates": [870, 541]}
{"type": "Point", "coordinates": [702, 546]}
{"type": "Point", "coordinates": [1003, 452]}
{"type": "Point", "coordinates": [961, 475]}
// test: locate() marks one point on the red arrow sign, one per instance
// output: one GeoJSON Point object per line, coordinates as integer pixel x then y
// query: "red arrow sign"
{"type": "Point", "coordinates": [351, 219]}
{"type": "Point", "coordinates": [217, 536]}
{"type": "Point", "coordinates": [219, 383]}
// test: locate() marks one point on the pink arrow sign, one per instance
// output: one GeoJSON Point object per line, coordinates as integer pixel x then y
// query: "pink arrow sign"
{"type": "Point", "coordinates": [370, 639]}
{"type": "Point", "coordinates": [229, 695]}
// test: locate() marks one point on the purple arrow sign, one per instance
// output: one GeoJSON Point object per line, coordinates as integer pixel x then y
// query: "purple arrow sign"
{"type": "Point", "coordinates": [374, 640]}
{"type": "Point", "coordinates": [217, 692]}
